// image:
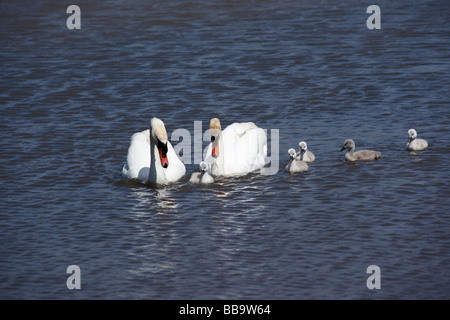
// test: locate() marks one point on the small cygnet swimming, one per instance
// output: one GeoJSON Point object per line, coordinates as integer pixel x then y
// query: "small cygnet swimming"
{"type": "Point", "coordinates": [361, 155]}
{"type": "Point", "coordinates": [295, 164]}
{"type": "Point", "coordinates": [203, 176]}
{"type": "Point", "coordinates": [415, 144]}
{"type": "Point", "coordinates": [305, 154]}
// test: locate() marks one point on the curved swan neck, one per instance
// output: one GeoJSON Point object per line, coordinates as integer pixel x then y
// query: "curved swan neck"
{"type": "Point", "coordinates": [153, 150]}
{"type": "Point", "coordinates": [156, 172]}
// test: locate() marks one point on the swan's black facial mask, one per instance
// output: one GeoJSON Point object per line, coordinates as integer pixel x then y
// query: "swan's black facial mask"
{"type": "Point", "coordinates": [214, 140]}
{"type": "Point", "coordinates": [162, 147]}
{"type": "Point", "coordinates": [215, 146]}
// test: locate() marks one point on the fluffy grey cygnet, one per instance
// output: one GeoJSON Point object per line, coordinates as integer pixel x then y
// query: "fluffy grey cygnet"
{"type": "Point", "coordinates": [361, 155]}
{"type": "Point", "coordinates": [415, 144]}
{"type": "Point", "coordinates": [295, 164]}
{"type": "Point", "coordinates": [203, 176]}
{"type": "Point", "coordinates": [305, 154]}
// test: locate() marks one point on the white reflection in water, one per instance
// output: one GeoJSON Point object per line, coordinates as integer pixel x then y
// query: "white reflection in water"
{"type": "Point", "coordinates": [148, 199]}
{"type": "Point", "coordinates": [156, 232]}
{"type": "Point", "coordinates": [165, 201]}
{"type": "Point", "coordinates": [236, 207]}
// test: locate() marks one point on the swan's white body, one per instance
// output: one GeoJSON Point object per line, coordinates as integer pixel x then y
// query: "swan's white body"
{"type": "Point", "coordinates": [203, 176]}
{"type": "Point", "coordinates": [305, 154]}
{"type": "Point", "coordinates": [415, 144]}
{"type": "Point", "coordinates": [361, 155]}
{"type": "Point", "coordinates": [295, 164]}
{"type": "Point", "coordinates": [239, 149]}
{"type": "Point", "coordinates": [145, 161]}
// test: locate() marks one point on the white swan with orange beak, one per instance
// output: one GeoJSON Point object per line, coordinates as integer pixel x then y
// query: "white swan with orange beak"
{"type": "Point", "coordinates": [151, 157]}
{"type": "Point", "coordinates": [239, 149]}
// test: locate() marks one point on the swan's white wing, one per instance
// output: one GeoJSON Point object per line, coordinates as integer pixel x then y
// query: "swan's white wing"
{"type": "Point", "coordinates": [245, 148]}
{"type": "Point", "coordinates": [138, 157]}
{"type": "Point", "coordinates": [176, 168]}
{"type": "Point", "coordinates": [241, 128]}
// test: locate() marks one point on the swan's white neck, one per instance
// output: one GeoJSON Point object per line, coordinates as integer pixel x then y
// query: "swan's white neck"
{"type": "Point", "coordinates": [157, 173]}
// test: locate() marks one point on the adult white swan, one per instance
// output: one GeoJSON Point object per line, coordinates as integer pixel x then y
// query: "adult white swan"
{"type": "Point", "coordinates": [151, 157]}
{"type": "Point", "coordinates": [237, 150]}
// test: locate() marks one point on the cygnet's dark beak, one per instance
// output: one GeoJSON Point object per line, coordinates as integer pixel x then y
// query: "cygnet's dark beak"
{"type": "Point", "coordinates": [343, 148]}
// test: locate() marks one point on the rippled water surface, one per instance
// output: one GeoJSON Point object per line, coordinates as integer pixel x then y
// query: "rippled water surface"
{"type": "Point", "coordinates": [71, 99]}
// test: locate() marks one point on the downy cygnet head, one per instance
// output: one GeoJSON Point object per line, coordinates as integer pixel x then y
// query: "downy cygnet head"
{"type": "Point", "coordinates": [412, 134]}
{"type": "Point", "coordinates": [349, 144]}
{"type": "Point", "coordinates": [292, 153]}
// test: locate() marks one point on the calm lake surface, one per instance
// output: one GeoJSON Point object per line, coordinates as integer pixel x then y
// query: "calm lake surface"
{"type": "Point", "coordinates": [71, 99]}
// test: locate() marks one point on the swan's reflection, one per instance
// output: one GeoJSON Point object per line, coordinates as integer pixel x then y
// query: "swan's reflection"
{"type": "Point", "coordinates": [155, 231]}
{"type": "Point", "coordinates": [154, 200]}
{"type": "Point", "coordinates": [239, 210]}
{"type": "Point", "coordinates": [237, 204]}
{"type": "Point", "coordinates": [416, 155]}
{"type": "Point", "coordinates": [221, 216]}
{"type": "Point", "coordinates": [164, 201]}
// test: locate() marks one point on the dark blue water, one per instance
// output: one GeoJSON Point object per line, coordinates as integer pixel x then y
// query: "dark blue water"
{"type": "Point", "coordinates": [71, 99]}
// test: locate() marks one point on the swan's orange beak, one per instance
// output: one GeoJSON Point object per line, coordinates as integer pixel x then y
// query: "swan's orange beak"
{"type": "Point", "coordinates": [162, 148]}
{"type": "Point", "coordinates": [215, 151]}
{"type": "Point", "coordinates": [215, 146]}
{"type": "Point", "coordinates": [164, 160]}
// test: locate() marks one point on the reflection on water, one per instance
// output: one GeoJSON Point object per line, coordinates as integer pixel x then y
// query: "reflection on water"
{"type": "Point", "coordinates": [154, 200]}
{"type": "Point", "coordinates": [165, 201]}
{"type": "Point", "coordinates": [155, 232]}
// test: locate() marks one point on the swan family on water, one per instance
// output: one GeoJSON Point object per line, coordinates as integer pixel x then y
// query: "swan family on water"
{"type": "Point", "coordinates": [237, 150]}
